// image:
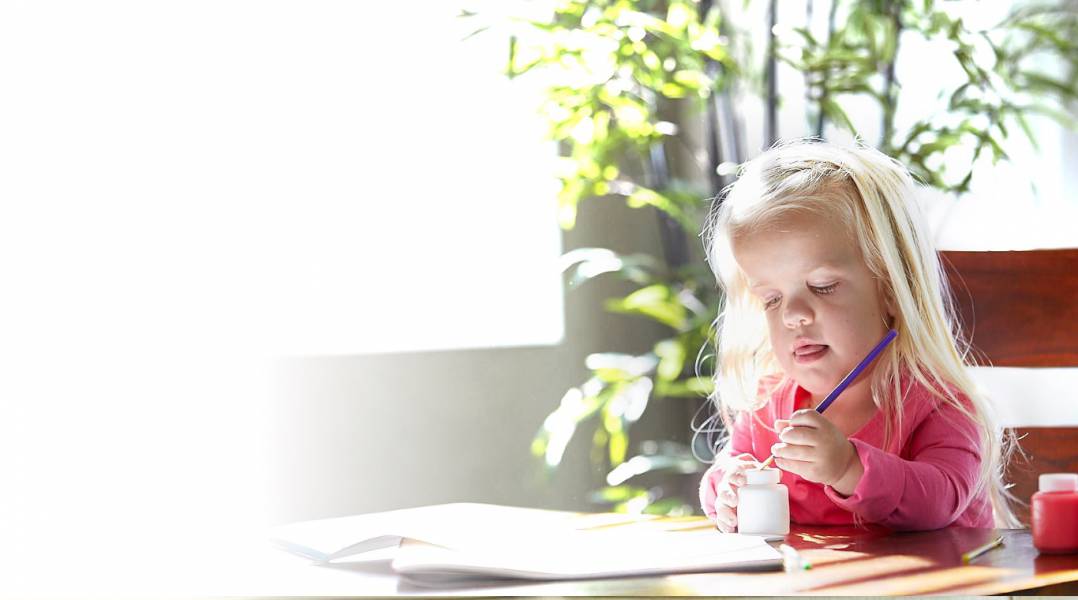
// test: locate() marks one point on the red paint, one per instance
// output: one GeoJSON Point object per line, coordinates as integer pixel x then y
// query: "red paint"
{"type": "Point", "coordinates": [1055, 515]}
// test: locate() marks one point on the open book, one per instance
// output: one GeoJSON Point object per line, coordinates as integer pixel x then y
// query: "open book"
{"type": "Point", "coordinates": [449, 541]}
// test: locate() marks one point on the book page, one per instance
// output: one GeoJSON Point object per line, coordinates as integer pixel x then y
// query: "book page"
{"type": "Point", "coordinates": [588, 554]}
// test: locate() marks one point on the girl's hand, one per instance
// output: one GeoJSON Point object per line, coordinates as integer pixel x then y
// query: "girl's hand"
{"type": "Point", "coordinates": [718, 489]}
{"type": "Point", "coordinates": [812, 447]}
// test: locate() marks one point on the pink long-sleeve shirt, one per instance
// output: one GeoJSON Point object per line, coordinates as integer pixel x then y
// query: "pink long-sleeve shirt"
{"type": "Point", "coordinates": [923, 480]}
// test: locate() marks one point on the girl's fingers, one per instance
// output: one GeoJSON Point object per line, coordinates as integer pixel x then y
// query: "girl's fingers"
{"type": "Point", "coordinates": [792, 451]}
{"type": "Point", "coordinates": [726, 519]}
{"type": "Point", "coordinates": [803, 436]}
{"type": "Point", "coordinates": [806, 417]}
{"type": "Point", "coordinates": [728, 497]}
{"type": "Point", "coordinates": [718, 487]}
{"type": "Point", "coordinates": [798, 467]}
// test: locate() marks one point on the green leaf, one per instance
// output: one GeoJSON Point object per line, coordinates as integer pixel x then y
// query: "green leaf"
{"type": "Point", "coordinates": [569, 196]}
{"type": "Point", "coordinates": [585, 264]}
{"type": "Point", "coordinates": [598, 445]}
{"type": "Point", "coordinates": [691, 387]}
{"type": "Point", "coordinates": [656, 301]}
{"type": "Point", "coordinates": [1024, 124]}
{"type": "Point", "coordinates": [509, 67]}
{"type": "Point", "coordinates": [577, 405]}
{"type": "Point", "coordinates": [671, 355]}
{"type": "Point", "coordinates": [475, 33]}
{"type": "Point", "coordinates": [836, 114]}
{"type": "Point", "coordinates": [1044, 82]}
{"type": "Point", "coordinates": [672, 90]}
{"type": "Point", "coordinates": [692, 79]}
{"type": "Point", "coordinates": [619, 447]}
{"type": "Point", "coordinates": [943, 141]}
{"type": "Point", "coordinates": [668, 203]}
{"type": "Point", "coordinates": [1048, 35]}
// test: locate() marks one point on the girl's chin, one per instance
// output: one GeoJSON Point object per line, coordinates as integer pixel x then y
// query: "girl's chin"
{"type": "Point", "coordinates": [818, 381]}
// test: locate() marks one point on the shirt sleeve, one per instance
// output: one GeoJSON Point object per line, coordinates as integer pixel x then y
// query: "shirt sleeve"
{"type": "Point", "coordinates": [930, 490]}
{"type": "Point", "coordinates": [739, 442]}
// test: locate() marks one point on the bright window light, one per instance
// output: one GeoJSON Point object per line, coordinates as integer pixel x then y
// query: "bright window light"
{"type": "Point", "coordinates": [290, 178]}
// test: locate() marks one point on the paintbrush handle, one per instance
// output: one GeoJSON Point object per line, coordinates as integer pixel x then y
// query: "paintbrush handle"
{"type": "Point", "coordinates": [848, 379]}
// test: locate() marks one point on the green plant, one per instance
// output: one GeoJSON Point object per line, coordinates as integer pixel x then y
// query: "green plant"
{"type": "Point", "coordinates": [624, 71]}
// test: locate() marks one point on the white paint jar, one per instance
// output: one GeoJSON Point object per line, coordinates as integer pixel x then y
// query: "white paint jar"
{"type": "Point", "coordinates": [763, 504]}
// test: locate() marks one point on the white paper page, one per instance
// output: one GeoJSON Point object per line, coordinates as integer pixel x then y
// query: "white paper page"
{"type": "Point", "coordinates": [575, 556]}
{"type": "Point", "coordinates": [451, 525]}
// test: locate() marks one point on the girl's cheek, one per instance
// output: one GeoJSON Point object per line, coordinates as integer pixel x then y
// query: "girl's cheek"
{"type": "Point", "coordinates": [774, 329]}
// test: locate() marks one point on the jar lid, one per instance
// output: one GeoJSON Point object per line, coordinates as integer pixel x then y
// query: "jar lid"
{"type": "Point", "coordinates": [1058, 482]}
{"type": "Point", "coordinates": [761, 476]}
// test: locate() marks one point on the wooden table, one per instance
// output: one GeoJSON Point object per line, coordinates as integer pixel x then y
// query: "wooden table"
{"type": "Point", "coordinates": [845, 561]}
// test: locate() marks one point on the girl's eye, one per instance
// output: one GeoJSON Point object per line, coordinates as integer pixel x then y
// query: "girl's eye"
{"type": "Point", "coordinates": [822, 290]}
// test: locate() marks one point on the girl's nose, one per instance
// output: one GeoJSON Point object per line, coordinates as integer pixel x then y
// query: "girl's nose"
{"type": "Point", "coordinates": [797, 314]}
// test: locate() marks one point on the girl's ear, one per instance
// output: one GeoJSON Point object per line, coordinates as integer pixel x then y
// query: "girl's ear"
{"type": "Point", "coordinates": [889, 304]}
{"type": "Point", "coordinates": [889, 320]}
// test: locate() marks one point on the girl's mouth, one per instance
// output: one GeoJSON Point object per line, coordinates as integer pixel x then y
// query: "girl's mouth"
{"type": "Point", "coordinates": [810, 353]}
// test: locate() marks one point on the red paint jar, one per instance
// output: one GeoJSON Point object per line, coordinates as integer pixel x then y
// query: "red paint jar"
{"type": "Point", "coordinates": [1055, 513]}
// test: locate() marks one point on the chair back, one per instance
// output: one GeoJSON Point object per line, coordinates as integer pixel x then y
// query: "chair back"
{"type": "Point", "coordinates": [1020, 309]}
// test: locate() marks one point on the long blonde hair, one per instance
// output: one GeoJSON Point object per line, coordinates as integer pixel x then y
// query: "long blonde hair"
{"type": "Point", "coordinates": [874, 197]}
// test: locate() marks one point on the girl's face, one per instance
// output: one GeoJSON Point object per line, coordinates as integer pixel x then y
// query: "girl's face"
{"type": "Point", "coordinates": [824, 308]}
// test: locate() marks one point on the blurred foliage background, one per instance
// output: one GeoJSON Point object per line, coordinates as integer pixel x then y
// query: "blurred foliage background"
{"type": "Point", "coordinates": [652, 102]}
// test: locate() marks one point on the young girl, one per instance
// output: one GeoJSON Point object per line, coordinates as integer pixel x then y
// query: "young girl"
{"type": "Point", "coordinates": [821, 250]}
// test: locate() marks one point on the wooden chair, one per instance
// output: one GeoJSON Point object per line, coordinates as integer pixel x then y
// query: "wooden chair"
{"type": "Point", "coordinates": [1022, 310]}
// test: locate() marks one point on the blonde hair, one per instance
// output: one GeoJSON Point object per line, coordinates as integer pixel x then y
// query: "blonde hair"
{"type": "Point", "coordinates": [874, 197]}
